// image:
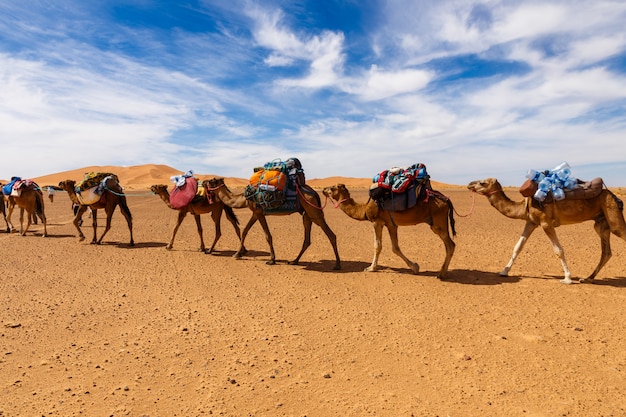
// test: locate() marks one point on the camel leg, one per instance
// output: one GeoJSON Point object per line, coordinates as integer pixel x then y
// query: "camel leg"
{"type": "Point", "coordinates": [42, 216]}
{"type": "Point", "coordinates": [28, 221]}
{"type": "Point", "coordinates": [306, 221]}
{"type": "Point", "coordinates": [233, 220]}
{"type": "Point", "coordinates": [129, 218]}
{"type": "Point", "coordinates": [8, 229]}
{"type": "Point", "coordinates": [395, 248]}
{"type": "Point", "coordinates": [244, 233]}
{"type": "Point", "coordinates": [268, 237]}
{"type": "Point", "coordinates": [528, 230]}
{"type": "Point", "coordinates": [4, 213]}
{"type": "Point", "coordinates": [333, 241]}
{"type": "Point", "coordinates": [558, 250]}
{"type": "Point", "coordinates": [602, 229]}
{"type": "Point", "coordinates": [181, 217]}
{"type": "Point", "coordinates": [200, 231]}
{"type": "Point", "coordinates": [444, 235]}
{"type": "Point", "coordinates": [216, 215]}
{"type": "Point", "coordinates": [78, 220]}
{"type": "Point", "coordinates": [9, 214]}
{"type": "Point", "coordinates": [378, 246]}
{"type": "Point", "coordinates": [109, 212]}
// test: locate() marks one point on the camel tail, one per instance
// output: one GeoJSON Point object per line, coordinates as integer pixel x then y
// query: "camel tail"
{"type": "Point", "coordinates": [124, 207]}
{"type": "Point", "coordinates": [451, 216]}
{"type": "Point", "coordinates": [39, 205]}
{"type": "Point", "coordinates": [230, 213]}
{"type": "Point", "coordinates": [618, 201]}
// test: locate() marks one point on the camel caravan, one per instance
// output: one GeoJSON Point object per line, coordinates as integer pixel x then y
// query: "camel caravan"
{"type": "Point", "coordinates": [397, 197]}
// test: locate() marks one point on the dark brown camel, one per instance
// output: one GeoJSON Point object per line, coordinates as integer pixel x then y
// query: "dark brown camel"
{"type": "Point", "coordinates": [606, 210]}
{"type": "Point", "coordinates": [30, 199]}
{"type": "Point", "coordinates": [112, 196]}
{"type": "Point", "coordinates": [437, 212]}
{"type": "Point", "coordinates": [199, 205]}
{"type": "Point", "coordinates": [309, 206]}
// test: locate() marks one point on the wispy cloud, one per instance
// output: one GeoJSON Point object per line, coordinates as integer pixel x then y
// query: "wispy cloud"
{"type": "Point", "coordinates": [470, 88]}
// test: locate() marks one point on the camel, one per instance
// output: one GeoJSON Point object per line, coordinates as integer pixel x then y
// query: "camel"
{"type": "Point", "coordinates": [112, 196]}
{"type": "Point", "coordinates": [605, 210]}
{"type": "Point", "coordinates": [437, 212]}
{"type": "Point", "coordinates": [30, 200]}
{"type": "Point", "coordinates": [199, 205]}
{"type": "Point", "coordinates": [309, 206]}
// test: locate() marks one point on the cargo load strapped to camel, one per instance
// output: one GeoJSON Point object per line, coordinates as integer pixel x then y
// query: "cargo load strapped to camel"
{"type": "Point", "coordinates": [274, 186]}
{"type": "Point", "coordinates": [184, 191]}
{"type": "Point", "coordinates": [91, 188]}
{"type": "Point", "coordinates": [398, 189]}
{"type": "Point", "coordinates": [558, 184]}
{"type": "Point", "coordinates": [16, 185]}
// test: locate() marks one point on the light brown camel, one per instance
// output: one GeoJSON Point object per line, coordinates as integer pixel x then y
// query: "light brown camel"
{"type": "Point", "coordinates": [309, 206]}
{"type": "Point", "coordinates": [199, 205]}
{"type": "Point", "coordinates": [437, 211]}
{"type": "Point", "coordinates": [605, 210]}
{"type": "Point", "coordinates": [112, 196]}
{"type": "Point", "coordinates": [30, 200]}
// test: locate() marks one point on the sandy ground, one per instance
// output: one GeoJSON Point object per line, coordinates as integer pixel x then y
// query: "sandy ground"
{"type": "Point", "coordinates": [113, 330]}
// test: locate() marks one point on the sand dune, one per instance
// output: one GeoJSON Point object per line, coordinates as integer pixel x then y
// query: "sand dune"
{"type": "Point", "coordinates": [141, 177]}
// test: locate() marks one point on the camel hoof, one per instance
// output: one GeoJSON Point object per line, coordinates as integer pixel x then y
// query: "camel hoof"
{"type": "Point", "coordinates": [270, 262]}
{"type": "Point", "coordinates": [337, 267]}
{"type": "Point", "coordinates": [370, 269]}
{"type": "Point", "coordinates": [566, 281]}
{"type": "Point", "coordinates": [169, 247]}
{"type": "Point", "coordinates": [586, 280]}
{"type": "Point", "coordinates": [415, 268]}
{"type": "Point", "coordinates": [290, 263]}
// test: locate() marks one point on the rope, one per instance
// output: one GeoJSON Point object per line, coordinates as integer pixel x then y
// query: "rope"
{"type": "Point", "coordinates": [471, 208]}
{"type": "Point", "coordinates": [336, 204]}
{"type": "Point", "coordinates": [126, 195]}
{"type": "Point", "coordinates": [307, 201]}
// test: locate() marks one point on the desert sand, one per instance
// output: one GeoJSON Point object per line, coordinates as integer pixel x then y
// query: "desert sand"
{"type": "Point", "coordinates": [114, 330]}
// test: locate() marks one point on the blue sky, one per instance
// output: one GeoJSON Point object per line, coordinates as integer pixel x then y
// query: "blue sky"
{"type": "Point", "coordinates": [471, 89]}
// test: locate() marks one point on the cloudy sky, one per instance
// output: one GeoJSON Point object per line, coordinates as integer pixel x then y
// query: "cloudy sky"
{"type": "Point", "coordinates": [472, 89]}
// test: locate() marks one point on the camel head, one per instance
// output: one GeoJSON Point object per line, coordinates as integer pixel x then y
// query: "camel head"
{"type": "Point", "coordinates": [485, 187]}
{"type": "Point", "coordinates": [337, 192]}
{"type": "Point", "coordinates": [215, 182]}
{"type": "Point", "coordinates": [67, 185]}
{"type": "Point", "coordinates": [158, 188]}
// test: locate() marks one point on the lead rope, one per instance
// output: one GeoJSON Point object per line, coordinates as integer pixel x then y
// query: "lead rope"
{"type": "Point", "coordinates": [299, 191]}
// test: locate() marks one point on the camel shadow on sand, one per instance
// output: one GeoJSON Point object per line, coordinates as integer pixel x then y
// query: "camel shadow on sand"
{"type": "Point", "coordinates": [618, 282]}
{"type": "Point", "coordinates": [137, 245]}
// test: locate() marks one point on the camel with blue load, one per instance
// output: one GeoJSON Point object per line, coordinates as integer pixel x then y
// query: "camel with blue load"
{"type": "Point", "coordinates": [588, 201]}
